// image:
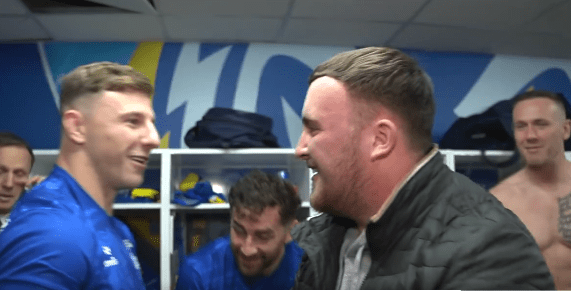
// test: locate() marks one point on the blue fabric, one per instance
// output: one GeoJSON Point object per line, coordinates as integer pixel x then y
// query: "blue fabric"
{"type": "Point", "coordinates": [60, 238]}
{"type": "Point", "coordinates": [201, 193]}
{"type": "Point", "coordinates": [213, 267]}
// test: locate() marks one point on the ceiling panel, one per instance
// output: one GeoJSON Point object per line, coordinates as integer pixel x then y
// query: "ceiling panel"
{"type": "Point", "coordinates": [330, 32]}
{"type": "Point", "coordinates": [443, 39]}
{"type": "Point", "coordinates": [20, 28]}
{"type": "Point", "coordinates": [375, 10]}
{"type": "Point", "coordinates": [533, 44]}
{"type": "Point", "coordinates": [483, 14]}
{"type": "Point", "coordinates": [256, 8]}
{"type": "Point", "coordinates": [451, 39]}
{"type": "Point", "coordinates": [141, 6]}
{"type": "Point", "coordinates": [532, 27]}
{"type": "Point", "coordinates": [222, 28]}
{"type": "Point", "coordinates": [12, 7]}
{"type": "Point", "coordinates": [555, 21]}
{"type": "Point", "coordinates": [102, 27]}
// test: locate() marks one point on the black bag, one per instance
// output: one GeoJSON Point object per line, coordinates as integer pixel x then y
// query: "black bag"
{"type": "Point", "coordinates": [489, 130]}
{"type": "Point", "coordinates": [230, 128]}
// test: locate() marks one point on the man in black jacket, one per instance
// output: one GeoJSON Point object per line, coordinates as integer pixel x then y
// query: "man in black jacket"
{"type": "Point", "coordinates": [394, 215]}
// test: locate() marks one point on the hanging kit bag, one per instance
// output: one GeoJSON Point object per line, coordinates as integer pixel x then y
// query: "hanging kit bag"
{"type": "Point", "coordinates": [489, 130]}
{"type": "Point", "coordinates": [231, 128]}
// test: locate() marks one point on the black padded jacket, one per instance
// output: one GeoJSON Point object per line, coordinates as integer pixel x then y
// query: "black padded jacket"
{"type": "Point", "coordinates": [441, 231]}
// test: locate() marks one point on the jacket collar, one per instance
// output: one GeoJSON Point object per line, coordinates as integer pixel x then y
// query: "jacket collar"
{"type": "Point", "coordinates": [431, 154]}
{"type": "Point", "coordinates": [406, 205]}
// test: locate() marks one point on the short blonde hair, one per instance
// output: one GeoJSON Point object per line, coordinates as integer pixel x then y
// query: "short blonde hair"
{"type": "Point", "coordinates": [94, 78]}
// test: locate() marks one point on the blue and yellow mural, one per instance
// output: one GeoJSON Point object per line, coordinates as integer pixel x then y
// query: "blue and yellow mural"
{"type": "Point", "coordinates": [270, 79]}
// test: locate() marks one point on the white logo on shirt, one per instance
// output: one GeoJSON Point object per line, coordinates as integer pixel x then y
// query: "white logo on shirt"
{"type": "Point", "coordinates": [129, 245]}
{"type": "Point", "coordinates": [4, 221]}
{"type": "Point", "coordinates": [106, 250]}
{"type": "Point", "coordinates": [112, 260]}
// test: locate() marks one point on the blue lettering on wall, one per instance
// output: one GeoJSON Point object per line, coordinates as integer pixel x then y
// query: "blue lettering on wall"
{"type": "Point", "coordinates": [453, 75]}
{"type": "Point", "coordinates": [168, 122]}
{"type": "Point", "coordinates": [282, 77]}
{"type": "Point", "coordinates": [226, 89]}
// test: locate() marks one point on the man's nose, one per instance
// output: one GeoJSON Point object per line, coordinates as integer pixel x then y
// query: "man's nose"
{"type": "Point", "coordinates": [7, 180]}
{"type": "Point", "coordinates": [152, 139]}
{"type": "Point", "coordinates": [531, 132]}
{"type": "Point", "coordinates": [301, 148]}
{"type": "Point", "coordinates": [248, 247]}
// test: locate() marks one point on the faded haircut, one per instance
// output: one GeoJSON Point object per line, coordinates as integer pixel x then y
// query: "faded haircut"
{"type": "Point", "coordinates": [390, 78]}
{"type": "Point", "coordinates": [92, 79]}
{"type": "Point", "coordinates": [558, 98]}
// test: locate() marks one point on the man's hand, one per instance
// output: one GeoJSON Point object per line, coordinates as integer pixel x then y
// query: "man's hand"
{"type": "Point", "coordinates": [33, 181]}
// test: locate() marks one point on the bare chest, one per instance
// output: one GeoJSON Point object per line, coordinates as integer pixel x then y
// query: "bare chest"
{"type": "Point", "coordinates": [546, 215]}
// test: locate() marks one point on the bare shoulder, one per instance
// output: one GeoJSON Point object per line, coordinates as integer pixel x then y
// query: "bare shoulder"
{"type": "Point", "coordinates": [510, 187]}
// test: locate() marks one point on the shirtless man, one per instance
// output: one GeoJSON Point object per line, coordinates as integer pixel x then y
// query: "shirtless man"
{"type": "Point", "coordinates": [540, 193]}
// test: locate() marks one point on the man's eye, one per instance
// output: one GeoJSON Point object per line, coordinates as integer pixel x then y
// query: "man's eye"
{"type": "Point", "coordinates": [312, 131]}
{"type": "Point", "coordinates": [21, 178]}
{"type": "Point", "coordinates": [133, 121]}
{"type": "Point", "coordinates": [238, 230]}
{"type": "Point", "coordinates": [264, 237]}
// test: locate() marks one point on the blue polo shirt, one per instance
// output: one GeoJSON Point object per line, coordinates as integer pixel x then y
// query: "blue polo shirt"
{"type": "Point", "coordinates": [58, 237]}
{"type": "Point", "coordinates": [214, 267]}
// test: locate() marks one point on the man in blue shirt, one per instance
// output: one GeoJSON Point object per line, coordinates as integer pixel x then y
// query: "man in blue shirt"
{"type": "Point", "coordinates": [62, 233]}
{"type": "Point", "coordinates": [259, 253]}
{"type": "Point", "coordinates": [16, 161]}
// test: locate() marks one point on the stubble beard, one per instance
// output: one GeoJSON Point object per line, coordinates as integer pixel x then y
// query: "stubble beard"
{"type": "Point", "coordinates": [251, 273]}
{"type": "Point", "coordinates": [344, 202]}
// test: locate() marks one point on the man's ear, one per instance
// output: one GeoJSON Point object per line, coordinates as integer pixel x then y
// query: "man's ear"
{"type": "Point", "coordinates": [73, 122]}
{"type": "Point", "coordinates": [289, 227]}
{"type": "Point", "coordinates": [566, 129]}
{"type": "Point", "coordinates": [385, 138]}
{"type": "Point", "coordinates": [293, 223]}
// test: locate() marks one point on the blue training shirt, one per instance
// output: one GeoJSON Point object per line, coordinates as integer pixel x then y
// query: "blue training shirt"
{"type": "Point", "coordinates": [58, 237]}
{"type": "Point", "coordinates": [214, 267]}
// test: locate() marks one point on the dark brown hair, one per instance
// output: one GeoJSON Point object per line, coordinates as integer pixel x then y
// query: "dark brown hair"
{"type": "Point", "coordinates": [558, 98]}
{"type": "Point", "coordinates": [259, 190]}
{"type": "Point", "coordinates": [11, 139]}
